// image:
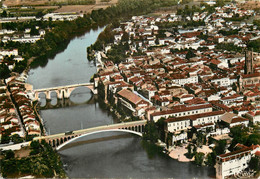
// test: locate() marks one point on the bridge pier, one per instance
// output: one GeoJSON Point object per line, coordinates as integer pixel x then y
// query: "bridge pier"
{"type": "Point", "coordinates": [48, 95]}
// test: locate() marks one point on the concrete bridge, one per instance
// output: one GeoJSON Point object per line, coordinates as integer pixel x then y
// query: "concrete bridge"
{"type": "Point", "coordinates": [59, 140]}
{"type": "Point", "coordinates": [62, 91]}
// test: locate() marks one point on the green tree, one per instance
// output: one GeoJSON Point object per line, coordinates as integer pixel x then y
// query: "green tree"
{"type": "Point", "coordinates": [221, 147]}
{"type": "Point", "coordinates": [211, 159]}
{"type": "Point", "coordinates": [190, 54]}
{"type": "Point", "coordinates": [4, 13]}
{"type": "Point", "coordinates": [39, 168]}
{"type": "Point", "coordinates": [254, 163]}
{"type": "Point", "coordinates": [9, 154]}
{"type": "Point", "coordinates": [8, 167]}
{"type": "Point", "coordinates": [160, 125]}
{"type": "Point", "coordinates": [189, 154]}
{"type": "Point", "coordinates": [253, 139]}
{"type": "Point", "coordinates": [16, 138]}
{"type": "Point", "coordinates": [125, 36]}
{"type": "Point", "coordinates": [35, 147]}
{"type": "Point", "coordinates": [151, 132]}
{"type": "Point", "coordinates": [199, 157]}
{"type": "Point", "coordinates": [5, 138]}
{"type": "Point", "coordinates": [4, 71]}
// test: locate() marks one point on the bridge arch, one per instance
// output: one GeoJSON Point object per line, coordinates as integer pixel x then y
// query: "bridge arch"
{"type": "Point", "coordinates": [89, 88]}
{"type": "Point", "coordinates": [63, 91]}
{"type": "Point", "coordinates": [95, 132]}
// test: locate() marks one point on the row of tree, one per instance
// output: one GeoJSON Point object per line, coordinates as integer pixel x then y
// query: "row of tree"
{"type": "Point", "coordinates": [42, 162]}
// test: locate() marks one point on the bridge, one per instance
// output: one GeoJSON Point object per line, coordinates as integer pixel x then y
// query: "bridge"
{"type": "Point", "coordinates": [62, 91]}
{"type": "Point", "coordinates": [60, 140]}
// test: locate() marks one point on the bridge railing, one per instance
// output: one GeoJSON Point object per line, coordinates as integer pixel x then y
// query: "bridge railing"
{"type": "Point", "coordinates": [93, 129]}
{"type": "Point", "coordinates": [65, 86]}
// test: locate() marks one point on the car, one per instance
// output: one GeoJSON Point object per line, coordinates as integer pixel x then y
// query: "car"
{"type": "Point", "coordinates": [68, 132]}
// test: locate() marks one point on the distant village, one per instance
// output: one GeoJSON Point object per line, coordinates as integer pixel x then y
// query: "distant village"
{"type": "Point", "coordinates": [189, 91]}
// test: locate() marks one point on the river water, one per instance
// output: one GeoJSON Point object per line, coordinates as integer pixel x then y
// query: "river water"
{"type": "Point", "coordinates": [111, 154]}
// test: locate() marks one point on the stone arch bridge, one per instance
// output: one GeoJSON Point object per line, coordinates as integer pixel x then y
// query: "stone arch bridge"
{"type": "Point", "coordinates": [59, 140]}
{"type": "Point", "coordinates": [62, 91]}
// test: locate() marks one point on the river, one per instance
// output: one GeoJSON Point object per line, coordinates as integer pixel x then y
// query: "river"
{"type": "Point", "coordinates": [110, 154]}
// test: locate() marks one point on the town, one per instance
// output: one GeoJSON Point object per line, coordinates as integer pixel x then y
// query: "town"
{"type": "Point", "coordinates": [193, 75]}
{"type": "Point", "coordinates": [185, 77]}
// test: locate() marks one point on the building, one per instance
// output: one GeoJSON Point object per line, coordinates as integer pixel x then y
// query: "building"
{"type": "Point", "coordinates": [254, 117]}
{"type": "Point", "coordinates": [232, 120]}
{"type": "Point", "coordinates": [249, 79]}
{"type": "Point", "coordinates": [132, 102]}
{"type": "Point", "coordinates": [182, 110]}
{"type": "Point", "coordinates": [235, 162]}
{"type": "Point", "coordinates": [175, 124]}
{"type": "Point", "coordinates": [249, 66]}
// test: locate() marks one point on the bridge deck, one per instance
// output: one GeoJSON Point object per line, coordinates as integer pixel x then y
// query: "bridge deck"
{"type": "Point", "coordinates": [93, 129]}
{"type": "Point", "coordinates": [65, 86]}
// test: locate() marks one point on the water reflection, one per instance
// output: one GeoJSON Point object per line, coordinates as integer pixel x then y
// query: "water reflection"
{"type": "Point", "coordinates": [78, 96]}
{"type": "Point", "coordinates": [124, 157]}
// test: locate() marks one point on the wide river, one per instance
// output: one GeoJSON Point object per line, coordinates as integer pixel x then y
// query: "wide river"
{"type": "Point", "coordinates": [111, 154]}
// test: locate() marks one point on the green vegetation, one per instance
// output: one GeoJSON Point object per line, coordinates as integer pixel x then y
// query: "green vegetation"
{"type": "Point", "coordinates": [239, 135]}
{"type": "Point", "coordinates": [199, 157]}
{"type": "Point", "coordinates": [255, 45]}
{"type": "Point", "coordinates": [43, 162]}
{"type": "Point", "coordinates": [229, 32]}
{"type": "Point", "coordinates": [151, 132]}
{"type": "Point", "coordinates": [254, 163]}
{"type": "Point", "coordinates": [4, 71]}
{"type": "Point", "coordinates": [229, 47]}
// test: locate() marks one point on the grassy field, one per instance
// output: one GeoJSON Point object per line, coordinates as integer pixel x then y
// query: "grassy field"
{"type": "Point", "coordinates": [86, 8]}
{"type": "Point", "coordinates": [31, 7]}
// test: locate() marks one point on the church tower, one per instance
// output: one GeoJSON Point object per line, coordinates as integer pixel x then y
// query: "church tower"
{"type": "Point", "coordinates": [249, 69]}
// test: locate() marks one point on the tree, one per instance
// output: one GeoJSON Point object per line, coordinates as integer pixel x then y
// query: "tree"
{"type": "Point", "coordinates": [8, 167]}
{"type": "Point", "coordinates": [5, 139]}
{"type": "Point", "coordinates": [35, 147]}
{"type": "Point", "coordinates": [4, 13]}
{"type": "Point", "coordinates": [221, 147]}
{"type": "Point", "coordinates": [125, 36]}
{"type": "Point", "coordinates": [254, 163]}
{"type": "Point", "coordinates": [16, 138]}
{"type": "Point", "coordinates": [4, 71]}
{"type": "Point", "coordinates": [34, 31]}
{"type": "Point", "coordinates": [9, 154]}
{"type": "Point", "coordinates": [189, 154]}
{"type": "Point", "coordinates": [211, 159]}
{"type": "Point", "coordinates": [39, 167]}
{"type": "Point", "coordinates": [199, 158]}
{"type": "Point", "coordinates": [253, 139]}
{"type": "Point", "coordinates": [160, 124]}
{"type": "Point", "coordinates": [190, 54]}
{"type": "Point", "coordinates": [151, 132]}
